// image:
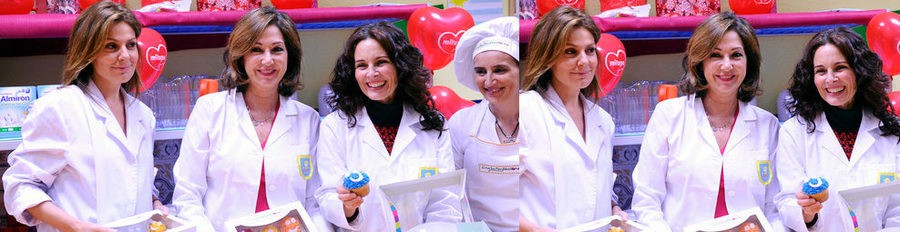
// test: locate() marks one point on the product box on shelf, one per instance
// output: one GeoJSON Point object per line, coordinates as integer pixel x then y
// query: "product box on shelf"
{"type": "Point", "coordinates": [15, 104]}
{"type": "Point", "coordinates": [143, 222]}
{"type": "Point", "coordinates": [43, 90]}
{"type": "Point", "coordinates": [287, 218]}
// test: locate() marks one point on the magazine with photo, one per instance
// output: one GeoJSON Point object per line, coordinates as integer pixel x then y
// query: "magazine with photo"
{"type": "Point", "coordinates": [629, 225]}
{"type": "Point", "coordinates": [287, 218]}
{"type": "Point", "coordinates": [151, 221]}
{"type": "Point", "coordinates": [750, 220]}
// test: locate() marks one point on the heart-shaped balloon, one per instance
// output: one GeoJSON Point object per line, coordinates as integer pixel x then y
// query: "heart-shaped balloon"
{"type": "Point", "coordinates": [895, 101]}
{"type": "Point", "coordinates": [751, 6]}
{"type": "Point", "coordinates": [292, 4]}
{"type": "Point", "coordinates": [611, 54]}
{"type": "Point", "coordinates": [446, 101]}
{"type": "Point", "coordinates": [436, 32]}
{"type": "Point", "coordinates": [87, 3]}
{"type": "Point", "coordinates": [152, 58]}
{"type": "Point", "coordinates": [545, 6]}
{"type": "Point", "coordinates": [16, 6]}
{"type": "Point", "coordinates": [883, 35]}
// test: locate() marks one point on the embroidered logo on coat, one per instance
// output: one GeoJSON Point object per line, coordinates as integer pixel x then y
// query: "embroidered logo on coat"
{"type": "Point", "coordinates": [498, 169]}
{"type": "Point", "coordinates": [306, 166]}
{"type": "Point", "coordinates": [884, 177]}
{"type": "Point", "coordinates": [427, 171]}
{"type": "Point", "coordinates": [764, 171]}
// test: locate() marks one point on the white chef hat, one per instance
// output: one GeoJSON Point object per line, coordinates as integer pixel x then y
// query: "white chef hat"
{"type": "Point", "coordinates": [500, 34]}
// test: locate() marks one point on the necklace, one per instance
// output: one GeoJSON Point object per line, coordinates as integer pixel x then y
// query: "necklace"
{"type": "Point", "coordinates": [511, 138]}
{"type": "Point", "coordinates": [719, 127]}
{"type": "Point", "coordinates": [257, 123]}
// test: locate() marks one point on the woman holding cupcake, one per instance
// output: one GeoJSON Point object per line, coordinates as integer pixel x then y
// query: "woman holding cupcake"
{"type": "Point", "coordinates": [566, 140]}
{"type": "Point", "coordinates": [843, 132]}
{"type": "Point", "coordinates": [384, 125]}
{"type": "Point", "coordinates": [250, 148]}
{"type": "Point", "coordinates": [710, 153]}
{"type": "Point", "coordinates": [484, 137]}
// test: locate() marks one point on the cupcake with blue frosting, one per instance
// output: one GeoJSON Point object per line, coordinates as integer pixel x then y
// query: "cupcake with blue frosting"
{"type": "Point", "coordinates": [817, 188]}
{"type": "Point", "coordinates": [357, 182]}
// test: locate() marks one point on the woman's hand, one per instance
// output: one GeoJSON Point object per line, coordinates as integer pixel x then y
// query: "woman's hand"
{"type": "Point", "coordinates": [350, 199]}
{"type": "Point", "coordinates": [809, 205]}
{"type": "Point", "coordinates": [616, 210]}
{"type": "Point", "coordinates": [158, 205]}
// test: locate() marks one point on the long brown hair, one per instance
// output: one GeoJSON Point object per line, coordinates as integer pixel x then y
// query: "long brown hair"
{"type": "Point", "coordinates": [548, 41]}
{"type": "Point", "coordinates": [87, 39]}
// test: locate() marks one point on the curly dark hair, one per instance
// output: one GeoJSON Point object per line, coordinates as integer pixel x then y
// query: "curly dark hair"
{"type": "Point", "coordinates": [411, 75]}
{"type": "Point", "coordinates": [701, 45]}
{"type": "Point", "coordinates": [871, 82]}
{"type": "Point", "coordinates": [242, 39]}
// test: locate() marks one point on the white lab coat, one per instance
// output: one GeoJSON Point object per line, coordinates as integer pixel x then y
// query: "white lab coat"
{"type": "Point", "coordinates": [75, 154]}
{"type": "Point", "coordinates": [802, 155]}
{"type": "Point", "coordinates": [217, 174]}
{"type": "Point", "coordinates": [492, 168]}
{"type": "Point", "coordinates": [677, 177]}
{"type": "Point", "coordinates": [343, 149]}
{"type": "Point", "coordinates": [566, 180]}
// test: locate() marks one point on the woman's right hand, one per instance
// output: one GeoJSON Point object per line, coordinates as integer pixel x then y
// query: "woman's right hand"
{"type": "Point", "coordinates": [810, 207]}
{"type": "Point", "coordinates": [351, 200]}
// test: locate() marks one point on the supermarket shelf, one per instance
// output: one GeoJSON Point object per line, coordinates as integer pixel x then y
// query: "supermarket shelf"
{"type": "Point", "coordinates": [628, 139]}
{"type": "Point", "coordinates": [162, 134]}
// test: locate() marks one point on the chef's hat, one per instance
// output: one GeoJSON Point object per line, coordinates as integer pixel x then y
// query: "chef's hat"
{"type": "Point", "coordinates": [500, 34]}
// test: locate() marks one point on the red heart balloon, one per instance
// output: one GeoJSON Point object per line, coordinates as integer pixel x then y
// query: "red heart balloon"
{"type": "Point", "coordinates": [751, 6]}
{"type": "Point", "coordinates": [545, 6]}
{"type": "Point", "coordinates": [883, 35]}
{"type": "Point", "coordinates": [87, 3]}
{"type": "Point", "coordinates": [16, 6]}
{"type": "Point", "coordinates": [436, 32]}
{"type": "Point", "coordinates": [611, 54]}
{"type": "Point", "coordinates": [292, 4]}
{"type": "Point", "coordinates": [894, 98]}
{"type": "Point", "coordinates": [446, 101]}
{"type": "Point", "coordinates": [152, 58]}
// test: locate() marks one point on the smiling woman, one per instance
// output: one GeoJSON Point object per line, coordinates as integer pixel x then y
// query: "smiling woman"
{"type": "Point", "coordinates": [251, 147]}
{"type": "Point", "coordinates": [385, 125]}
{"type": "Point", "coordinates": [843, 130]}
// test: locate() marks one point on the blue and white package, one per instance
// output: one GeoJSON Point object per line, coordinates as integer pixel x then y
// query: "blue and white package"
{"type": "Point", "coordinates": [15, 104]}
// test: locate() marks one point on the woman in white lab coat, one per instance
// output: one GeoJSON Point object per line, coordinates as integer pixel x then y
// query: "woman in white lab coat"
{"type": "Point", "coordinates": [86, 156]}
{"type": "Point", "coordinates": [843, 130]}
{"type": "Point", "coordinates": [566, 137]}
{"type": "Point", "coordinates": [710, 153]}
{"type": "Point", "coordinates": [384, 125]}
{"type": "Point", "coordinates": [250, 148]}
{"type": "Point", "coordinates": [484, 137]}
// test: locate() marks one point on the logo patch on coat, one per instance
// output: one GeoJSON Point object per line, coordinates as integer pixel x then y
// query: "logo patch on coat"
{"type": "Point", "coordinates": [427, 171]}
{"type": "Point", "coordinates": [306, 166]}
{"type": "Point", "coordinates": [764, 171]}
{"type": "Point", "coordinates": [885, 177]}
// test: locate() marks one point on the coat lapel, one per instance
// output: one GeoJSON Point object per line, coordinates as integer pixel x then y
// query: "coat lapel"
{"type": "Point", "coordinates": [409, 126]}
{"type": "Point", "coordinates": [746, 119]}
{"type": "Point", "coordinates": [700, 113]}
{"type": "Point", "coordinates": [829, 141]}
{"type": "Point", "coordinates": [370, 134]}
{"type": "Point", "coordinates": [564, 121]}
{"type": "Point", "coordinates": [243, 116]}
{"type": "Point", "coordinates": [287, 113]}
{"type": "Point", "coordinates": [865, 138]}
{"type": "Point", "coordinates": [104, 114]}
{"type": "Point", "coordinates": [134, 121]}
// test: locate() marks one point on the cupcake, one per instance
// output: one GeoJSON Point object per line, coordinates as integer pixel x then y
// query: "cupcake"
{"type": "Point", "coordinates": [817, 188]}
{"type": "Point", "coordinates": [616, 229]}
{"type": "Point", "coordinates": [157, 226]}
{"type": "Point", "coordinates": [291, 224]}
{"type": "Point", "coordinates": [357, 182]}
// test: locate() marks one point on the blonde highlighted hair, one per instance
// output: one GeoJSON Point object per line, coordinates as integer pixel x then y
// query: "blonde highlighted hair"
{"type": "Point", "coordinates": [88, 38]}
